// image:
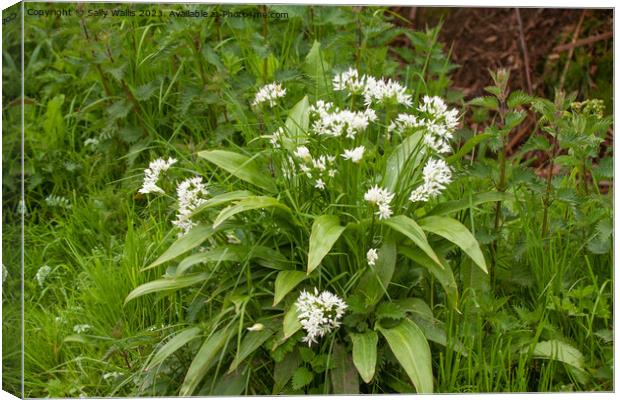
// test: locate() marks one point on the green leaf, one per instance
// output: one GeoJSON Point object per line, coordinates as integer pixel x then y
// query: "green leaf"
{"type": "Point", "coordinates": [291, 323]}
{"type": "Point", "coordinates": [251, 341]}
{"type": "Point", "coordinates": [412, 352]}
{"type": "Point", "coordinates": [172, 345]}
{"type": "Point", "coordinates": [297, 123]}
{"type": "Point", "coordinates": [443, 275]}
{"type": "Point", "coordinates": [302, 377]}
{"type": "Point", "coordinates": [242, 167]}
{"type": "Point", "coordinates": [344, 377]}
{"type": "Point", "coordinates": [400, 158]}
{"type": "Point", "coordinates": [316, 67]}
{"type": "Point", "coordinates": [283, 371]}
{"type": "Point", "coordinates": [458, 234]}
{"type": "Point", "coordinates": [514, 118]}
{"type": "Point", "coordinates": [374, 283]}
{"type": "Point", "coordinates": [365, 353]}
{"type": "Point", "coordinates": [487, 102]}
{"type": "Point", "coordinates": [221, 199]}
{"type": "Point", "coordinates": [194, 238]}
{"type": "Point", "coordinates": [215, 254]}
{"type": "Point", "coordinates": [559, 351]}
{"type": "Point", "coordinates": [203, 360]}
{"type": "Point", "coordinates": [247, 204]}
{"type": "Point", "coordinates": [412, 230]}
{"type": "Point", "coordinates": [285, 282]}
{"type": "Point", "coordinates": [326, 230]}
{"type": "Point", "coordinates": [389, 310]}
{"type": "Point", "coordinates": [468, 146]}
{"type": "Point", "coordinates": [458, 205]}
{"type": "Point", "coordinates": [518, 98]}
{"type": "Point", "coordinates": [165, 284]}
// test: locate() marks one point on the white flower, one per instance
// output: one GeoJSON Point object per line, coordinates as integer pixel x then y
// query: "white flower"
{"type": "Point", "coordinates": [303, 153]}
{"type": "Point", "coordinates": [382, 91]}
{"type": "Point", "coordinates": [319, 314]}
{"type": "Point", "coordinates": [319, 184]}
{"type": "Point", "coordinates": [190, 194]}
{"type": "Point", "coordinates": [355, 155]}
{"type": "Point", "coordinates": [91, 142]}
{"type": "Point", "coordinates": [349, 80]}
{"type": "Point", "coordinates": [382, 198]}
{"type": "Point", "coordinates": [151, 175]}
{"type": "Point", "coordinates": [440, 123]}
{"type": "Point", "coordinates": [276, 138]}
{"type": "Point", "coordinates": [372, 257]}
{"type": "Point", "coordinates": [320, 163]}
{"type": "Point", "coordinates": [42, 274]}
{"type": "Point", "coordinates": [269, 93]}
{"type": "Point", "coordinates": [334, 122]}
{"type": "Point", "coordinates": [256, 327]}
{"type": "Point", "coordinates": [437, 175]}
{"type": "Point", "coordinates": [404, 122]}
{"type": "Point", "coordinates": [81, 328]}
{"type": "Point", "coordinates": [331, 173]}
{"type": "Point", "coordinates": [57, 201]}
{"type": "Point", "coordinates": [112, 375]}
{"type": "Point", "coordinates": [306, 170]}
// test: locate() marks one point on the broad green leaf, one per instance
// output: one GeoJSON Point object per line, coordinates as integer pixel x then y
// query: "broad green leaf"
{"type": "Point", "coordinates": [458, 205]}
{"type": "Point", "coordinates": [301, 377]}
{"type": "Point", "coordinates": [468, 146]}
{"type": "Point", "coordinates": [559, 351]}
{"type": "Point", "coordinates": [374, 283]}
{"type": "Point", "coordinates": [365, 353]}
{"type": "Point", "coordinates": [443, 275]}
{"type": "Point", "coordinates": [412, 352]}
{"type": "Point", "coordinates": [165, 284]}
{"type": "Point", "coordinates": [291, 323]}
{"type": "Point", "coordinates": [202, 361]}
{"type": "Point", "coordinates": [194, 238]}
{"type": "Point", "coordinates": [487, 102]}
{"type": "Point", "coordinates": [241, 166]}
{"type": "Point", "coordinates": [247, 204]}
{"type": "Point", "coordinates": [229, 385]}
{"type": "Point", "coordinates": [221, 199]}
{"type": "Point", "coordinates": [458, 234]}
{"type": "Point", "coordinates": [326, 230]}
{"type": "Point", "coordinates": [412, 230]}
{"type": "Point", "coordinates": [285, 282]}
{"type": "Point", "coordinates": [317, 67]}
{"type": "Point", "coordinates": [297, 123]}
{"type": "Point", "coordinates": [251, 341]}
{"type": "Point", "coordinates": [283, 371]}
{"type": "Point", "coordinates": [344, 378]}
{"type": "Point", "coordinates": [172, 345]}
{"type": "Point", "coordinates": [401, 158]}
{"type": "Point", "coordinates": [216, 254]}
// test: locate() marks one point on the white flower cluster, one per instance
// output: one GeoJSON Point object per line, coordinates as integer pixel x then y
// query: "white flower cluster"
{"type": "Point", "coordinates": [277, 137]}
{"type": "Point", "coordinates": [334, 122]}
{"type": "Point", "coordinates": [151, 175]}
{"type": "Point", "coordinates": [57, 201]}
{"type": "Point", "coordinates": [190, 194]}
{"type": "Point", "coordinates": [42, 274]}
{"type": "Point", "coordinates": [112, 375]}
{"type": "Point", "coordinates": [437, 175]}
{"type": "Point", "coordinates": [355, 155]}
{"type": "Point", "coordinates": [374, 90]}
{"type": "Point", "coordinates": [319, 314]}
{"type": "Point", "coordinates": [404, 122]}
{"type": "Point", "coordinates": [382, 198]}
{"type": "Point", "coordinates": [320, 168]}
{"type": "Point", "coordinates": [372, 256]}
{"type": "Point", "coordinates": [269, 93]}
{"type": "Point", "coordinates": [81, 328]}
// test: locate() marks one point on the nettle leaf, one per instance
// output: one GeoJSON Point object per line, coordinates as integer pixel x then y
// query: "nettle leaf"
{"type": "Point", "coordinates": [487, 102]}
{"type": "Point", "coordinates": [412, 351]}
{"type": "Point", "coordinates": [172, 345]}
{"type": "Point", "coordinates": [389, 310]}
{"type": "Point", "coordinates": [241, 166]}
{"type": "Point", "coordinates": [167, 284]}
{"type": "Point", "coordinates": [344, 377]}
{"type": "Point", "coordinates": [458, 234]}
{"type": "Point", "coordinates": [412, 230]}
{"type": "Point", "coordinates": [514, 118]}
{"type": "Point", "coordinates": [365, 353]}
{"type": "Point", "coordinates": [518, 98]}
{"type": "Point", "coordinates": [302, 377]}
{"type": "Point", "coordinates": [326, 230]}
{"type": "Point", "coordinates": [559, 351]}
{"type": "Point", "coordinates": [285, 282]}
{"type": "Point", "coordinates": [247, 204]}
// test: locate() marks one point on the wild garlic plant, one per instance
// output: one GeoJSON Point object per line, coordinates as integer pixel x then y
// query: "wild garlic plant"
{"type": "Point", "coordinates": [308, 235]}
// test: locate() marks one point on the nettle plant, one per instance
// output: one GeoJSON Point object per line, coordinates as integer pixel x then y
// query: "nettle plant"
{"type": "Point", "coordinates": [313, 245]}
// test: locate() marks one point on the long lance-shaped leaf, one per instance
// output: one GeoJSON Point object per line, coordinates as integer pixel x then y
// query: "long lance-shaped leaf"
{"type": "Point", "coordinates": [247, 204]}
{"type": "Point", "coordinates": [230, 253]}
{"type": "Point", "coordinates": [202, 362]}
{"type": "Point", "coordinates": [326, 230]}
{"type": "Point", "coordinates": [297, 124]}
{"type": "Point", "coordinates": [285, 282]}
{"type": "Point", "coordinates": [166, 284]}
{"type": "Point", "coordinates": [344, 378]}
{"type": "Point", "coordinates": [251, 341]}
{"type": "Point", "coordinates": [172, 345]}
{"type": "Point", "coordinates": [412, 230]}
{"type": "Point", "coordinates": [374, 283]}
{"type": "Point", "coordinates": [458, 234]}
{"type": "Point", "coordinates": [221, 199]}
{"type": "Point", "coordinates": [400, 158]}
{"type": "Point", "coordinates": [241, 166]}
{"type": "Point", "coordinates": [560, 351]}
{"type": "Point", "coordinates": [449, 207]}
{"type": "Point", "coordinates": [412, 352]}
{"type": "Point", "coordinates": [194, 238]}
{"type": "Point", "coordinates": [365, 353]}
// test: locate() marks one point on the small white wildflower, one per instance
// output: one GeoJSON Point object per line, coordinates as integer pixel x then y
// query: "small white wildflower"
{"type": "Point", "coordinates": [306, 170]}
{"type": "Point", "coordinates": [334, 122]}
{"type": "Point", "coordinates": [277, 137]}
{"type": "Point", "coordinates": [190, 194]}
{"type": "Point", "coordinates": [372, 257]}
{"type": "Point", "coordinates": [81, 328]}
{"type": "Point", "coordinates": [57, 201]}
{"type": "Point", "coordinates": [303, 153]}
{"type": "Point", "coordinates": [319, 314]}
{"type": "Point", "coordinates": [385, 211]}
{"type": "Point", "coordinates": [403, 122]}
{"type": "Point", "coordinates": [382, 198]}
{"type": "Point", "coordinates": [439, 122]}
{"type": "Point", "coordinates": [256, 327]}
{"type": "Point", "coordinates": [355, 155]}
{"type": "Point", "coordinates": [112, 375]}
{"type": "Point", "coordinates": [60, 320]}
{"type": "Point", "coordinates": [42, 274]}
{"type": "Point", "coordinates": [269, 93]}
{"type": "Point", "coordinates": [320, 163]}
{"type": "Point", "coordinates": [91, 142]}
{"type": "Point", "coordinates": [332, 172]}
{"type": "Point", "coordinates": [319, 184]}
{"type": "Point", "coordinates": [152, 173]}
{"type": "Point", "coordinates": [349, 80]}
{"type": "Point", "coordinates": [437, 175]}
{"type": "Point", "coordinates": [382, 91]}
